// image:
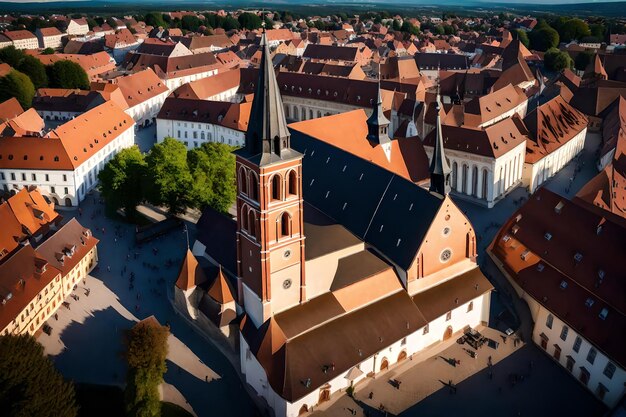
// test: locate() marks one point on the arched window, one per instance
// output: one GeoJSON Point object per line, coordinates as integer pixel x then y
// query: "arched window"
{"type": "Point", "coordinates": [549, 321]}
{"type": "Point", "coordinates": [254, 186]}
{"type": "Point", "coordinates": [244, 218]}
{"type": "Point", "coordinates": [464, 179]}
{"type": "Point", "coordinates": [455, 169]}
{"type": "Point", "coordinates": [286, 111]}
{"type": "Point", "coordinates": [284, 225]}
{"type": "Point", "coordinates": [243, 181]}
{"type": "Point", "coordinates": [276, 183]}
{"type": "Point", "coordinates": [202, 135]}
{"type": "Point", "coordinates": [485, 183]}
{"type": "Point", "coordinates": [303, 114]}
{"type": "Point", "coordinates": [251, 223]}
{"type": "Point", "coordinates": [470, 306]}
{"type": "Point", "coordinates": [475, 181]}
{"type": "Point", "coordinates": [293, 183]}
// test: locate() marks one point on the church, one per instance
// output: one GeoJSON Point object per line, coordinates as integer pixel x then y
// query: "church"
{"type": "Point", "coordinates": [340, 267]}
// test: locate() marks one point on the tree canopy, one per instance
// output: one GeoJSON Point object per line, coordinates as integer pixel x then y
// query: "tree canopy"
{"type": "Point", "coordinates": [18, 85]}
{"type": "Point", "coordinates": [583, 59]}
{"type": "Point", "coordinates": [121, 181]}
{"type": "Point", "coordinates": [212, 167]}
{"type": "Point", "coordinates": [35, 70]}
{"type": "Point", "coordinates": [556, 60]}
{"type": "Point", "coordinates": [543, 37]}
{"type": "Point", "coordinates": [571, 29]}
{"type": "Point", "coordinates": [168, 178]}
{"type": "Point", "coordinates": [155, 19]}
{"type": "Point", "coordinates": [146, 351]}
{"type": "Point", "coordinates": [29, 383]}
{"type": "Point", "coordinates": [249, 21]}
{"type": "Point", "coordinates": [192, 23]}
{"type": "Point", "coordinates": [68, 74]}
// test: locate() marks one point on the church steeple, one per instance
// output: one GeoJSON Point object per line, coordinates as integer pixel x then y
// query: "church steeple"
{"type": "Point", "coordinates": [378, 124]}
{"type": "Point", "coordinates": [439, 166]}
{"type": "Point", "coordinates": [267, 138]}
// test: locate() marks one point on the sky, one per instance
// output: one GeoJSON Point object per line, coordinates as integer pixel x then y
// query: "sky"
{"type": "Point", "coordinates": [426, 1]}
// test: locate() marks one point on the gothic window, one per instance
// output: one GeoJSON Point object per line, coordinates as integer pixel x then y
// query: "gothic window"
{"type": "Point", "coordinates": [549, 321]}
{"type": "Point", "coordinates": [243, 181]}
{"type": "Point", "coordinates": [284, 225]}
{"type": "Point", "coordinates": [254, 186]}
{"type": "Point", "coordinates": [485, 183]}
{"type": "Point", "coordinates": [244, 218]}
{"type": "Point", "coordinates": [464, 179]}
{"type": "Point", "coordinates": [475, 181]}
{"type": "Point", "coordinates": [293, 183]}
{"type": "Point", "coordinates": [455, 169]}
{"type": "Point", "coordinates": [276, 183]}
{"type": "Point", "coordinates": [251, 223]}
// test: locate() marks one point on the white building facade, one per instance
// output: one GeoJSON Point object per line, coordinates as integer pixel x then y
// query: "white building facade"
{"type": "Point", "coordinates": [472, 313]}
{"type": "Point", "coordinates": [538, 172]}
{"type": "Point", "coordinates": [194, 135]}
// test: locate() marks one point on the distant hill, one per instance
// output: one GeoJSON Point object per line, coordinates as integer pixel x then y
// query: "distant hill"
{"type": "Point", "coordinates": [607, 9]}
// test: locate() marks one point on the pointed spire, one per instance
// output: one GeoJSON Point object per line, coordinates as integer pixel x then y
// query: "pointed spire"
{"type": "Point", "coordinates": [267, 136]}
{"type": "Point", "coordinates": [439, 166]}
{"type": "Point", "coordinates": [377, 123]}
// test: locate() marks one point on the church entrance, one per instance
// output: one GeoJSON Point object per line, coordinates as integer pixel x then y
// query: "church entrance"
{"type": "Point", "coordinates": [384, 365]}
{"type": "Point", "coordinates": [68, 202]}
{"type": "Point", "coordinates": [324, 394]}
{"type": "Point", "coordinates": [448, 333]}
{"type": "Point", "coordinates": [402, 356]}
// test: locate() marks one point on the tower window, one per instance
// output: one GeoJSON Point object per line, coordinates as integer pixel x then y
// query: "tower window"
{"type": "Point", "coordinates": [254, 187]}
{"type": "Point", "coordinates": [284, 225]}
{"type": "Point", "coordinates": [276, 187]}
{"type": "Point", "coordinates": [293, 183]}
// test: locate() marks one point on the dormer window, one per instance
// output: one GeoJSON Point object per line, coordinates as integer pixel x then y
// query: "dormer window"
{"type": "Point", "coordinates": [578, 257]}
{"type": "Point", "coordinates": [563, 285]}
{"type": "Point", "coordinates": [548, 236]}
{"type": "Point", "coordinates": [540, 267]}
{"type": "Point", "coordinates": [603, 313]}
{"type": "Point", "coordinates": [589, 302]}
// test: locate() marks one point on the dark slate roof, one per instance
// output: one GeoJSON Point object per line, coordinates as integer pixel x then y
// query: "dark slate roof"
{"type": "Point", "coordinates": [442, 61]}
{"type": "Point", "coordinates": [219, 234]}
{"type": "Point", "coordinates": [383, 209]}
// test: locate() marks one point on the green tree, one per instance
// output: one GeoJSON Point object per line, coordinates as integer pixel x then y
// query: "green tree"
{"type": "Point", "coordinates": [68, 74]}
{"type": "Point", "coordinates": [543, 38]}
{"type": "Point", "coordinates": [146, 351]}
{"type": "Point", "coordinates": [155, 19]}
{"type": "Point", "coordinates": [92, 23]}
{"type": "Point", "coordinates": [574, 29]}
{"type": "Point", "coordinates": [169, 181]}
{"type": "Point", "coordinates": [12, 56]}
{"type": "Point", "coordinates": [230, 23]}
{"type": "Point", "coordinates": [35, 70]}
{"type": "Point", "coordinates": [122, 180]}
{"type": "Point", "coordinates": [583, 59]}
{"type": "Point", "coordinates": [598, 30]}
{"type": "Point", "coordinates": [47, 51]}
{"type": "Point", "coordinates": [212, 167]}
{"type": "Point", "coordinates": [556, 60]}
{"type": "Point", "coordinates": [407, 27]}
{"type": "Point", "coordinates": [29, 383]}
{"type": "Point", "coordinates": [395, 25]}
{"type": "Point", "coordinates": [191, 23]}
{"type": "Point", "coordinates": [249, 21]}
{"type": "Point", "coordinates": [522, 36]}
{"type": "Point", "coordinates": [438, 30]}
{"type": "Point", "coordinates": [18, 85]}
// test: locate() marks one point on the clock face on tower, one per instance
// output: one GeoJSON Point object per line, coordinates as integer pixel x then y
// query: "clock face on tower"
{"type": "Point", "coordinates": [286, 284]}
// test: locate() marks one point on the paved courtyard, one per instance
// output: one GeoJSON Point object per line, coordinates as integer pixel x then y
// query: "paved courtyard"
{"type": "Point", "coordinates": [86, 341]}
{"type": "Point", "coordinates": [540, 389]}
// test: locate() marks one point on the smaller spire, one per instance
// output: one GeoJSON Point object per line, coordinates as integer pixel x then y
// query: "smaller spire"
{"type": "Point", "coordinates": [377, 123]}
{"type": "Point", "coordinates": [439, 166]}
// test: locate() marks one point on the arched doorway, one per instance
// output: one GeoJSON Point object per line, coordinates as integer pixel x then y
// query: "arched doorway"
{"type": "Point", "coordinates": [384, 364]}
{"type": "Point", "coordinates": [402, 356]}
{"type": "Point", "coordinates": [56, 201]}
{"type": "Point", "coordinates": [448, 333]}
{"type": "Point", "coordinates": [303, 409]}
{"type": "Point", "coordinates": [324, 393]}
{"type": "Point", "coordinates": [68, 202]}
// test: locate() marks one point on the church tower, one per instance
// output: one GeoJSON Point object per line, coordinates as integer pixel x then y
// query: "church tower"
{"type": "Point", "coordinates": [439, 166]}
{"type": "Point", "coordinates": [270, 228]}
